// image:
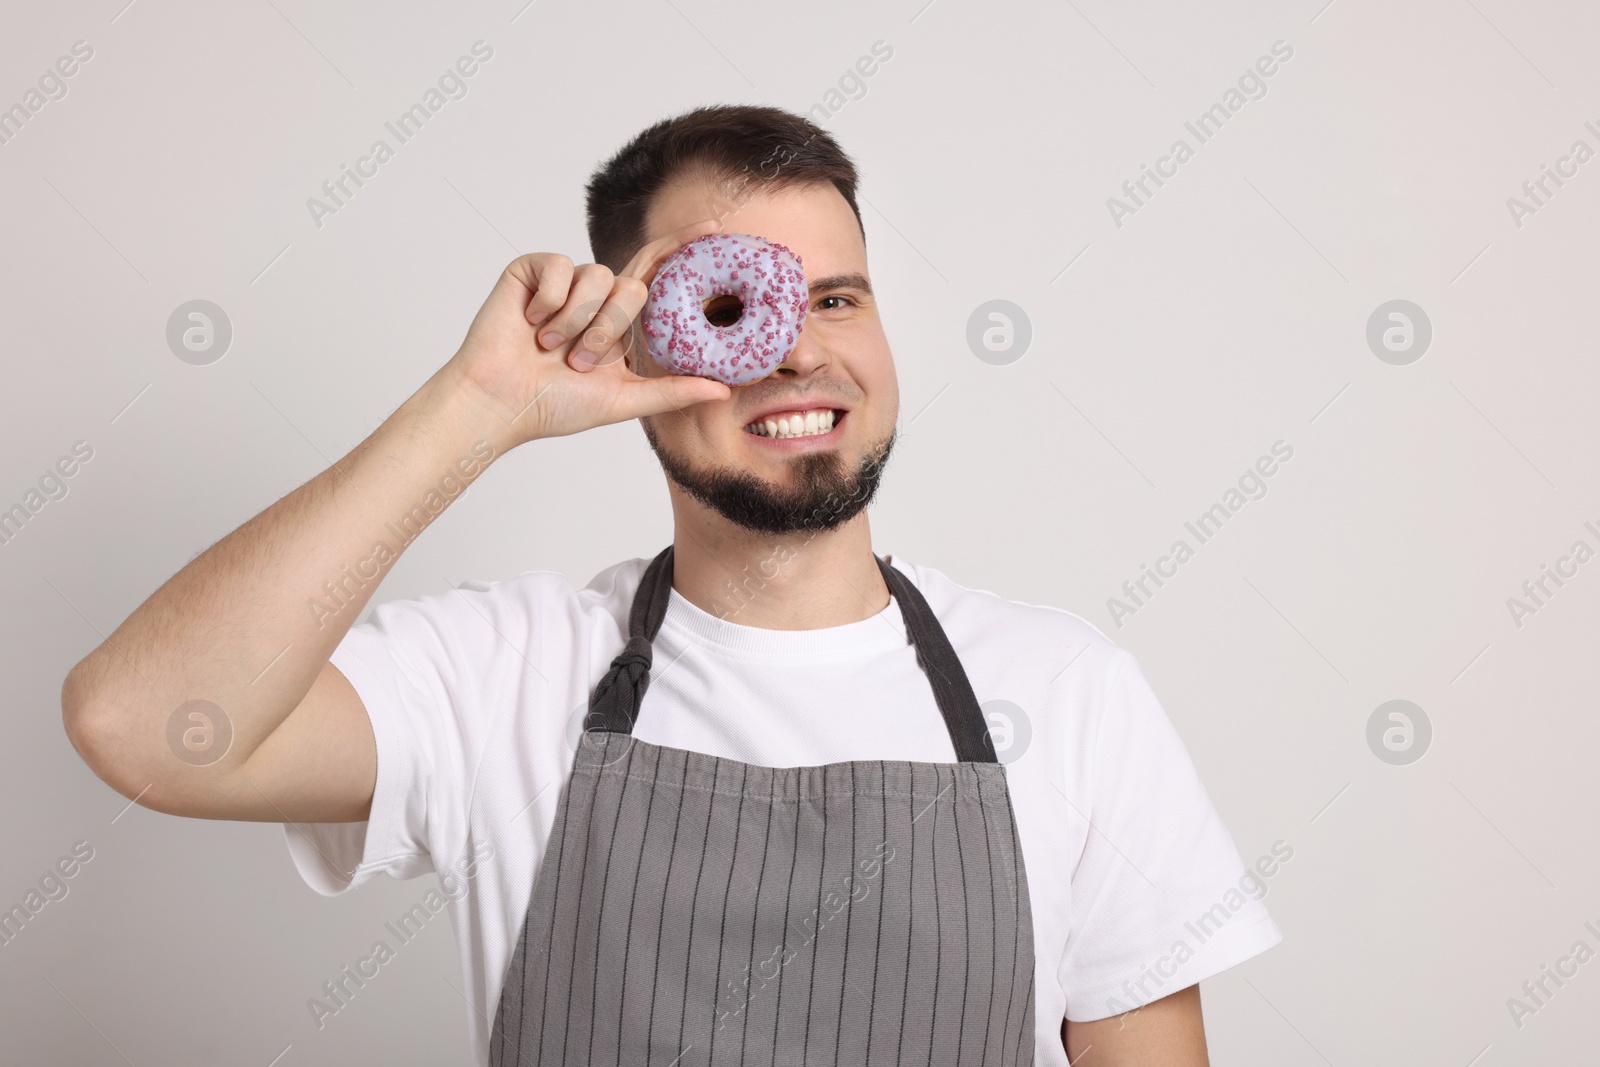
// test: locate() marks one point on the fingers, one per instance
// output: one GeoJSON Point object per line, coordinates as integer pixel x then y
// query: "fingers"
{"type": "Point", "coordinates": [586, 306]}
{"type": "Point", "coordinates": [547, 276]}
{"type": "Point", "coordinates": [552, 283]}
{"type": "Point", "coordinates": [609, 336]}
{"type": "Point", "coordinates": [590, 285]}
{"type": "Point", "coordinates": [645, 261]}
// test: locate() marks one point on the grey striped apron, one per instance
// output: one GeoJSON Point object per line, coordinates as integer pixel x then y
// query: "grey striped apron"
{"type": "Point", "coordinates": [695, 910]}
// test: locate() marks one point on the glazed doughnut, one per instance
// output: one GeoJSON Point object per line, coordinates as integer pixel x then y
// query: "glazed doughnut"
{"type": "Point", "coordinates": [763, 277]}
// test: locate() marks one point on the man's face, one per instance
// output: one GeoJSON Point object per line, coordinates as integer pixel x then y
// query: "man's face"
{"type": "Point", "coordinates": [841, 363]}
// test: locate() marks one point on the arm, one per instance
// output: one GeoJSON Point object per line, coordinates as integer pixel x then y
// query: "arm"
{"type": "Point", "coordinates": [213, 627]}
{"type": "Point", "coordinates": [1168, 1032]}
{"type": "Point", "coordinates": [236, 626]}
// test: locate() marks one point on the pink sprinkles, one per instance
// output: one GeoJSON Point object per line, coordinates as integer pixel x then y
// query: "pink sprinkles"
{"type": "Point", "coordinates": [766, 277]}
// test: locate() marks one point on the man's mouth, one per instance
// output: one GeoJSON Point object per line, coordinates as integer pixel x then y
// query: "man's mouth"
{"type": "Point", "coordinates": [802, 422]}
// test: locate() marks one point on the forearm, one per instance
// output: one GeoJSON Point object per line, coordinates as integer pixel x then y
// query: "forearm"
{"type": "Point", "coordinates": [249, 623]}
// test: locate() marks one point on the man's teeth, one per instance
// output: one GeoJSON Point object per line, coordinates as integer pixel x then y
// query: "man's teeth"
{"type": "Point", "coordinates": [794, 424]}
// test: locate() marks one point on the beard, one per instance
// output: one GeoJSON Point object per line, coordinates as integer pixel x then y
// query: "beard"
{"type": "Point", "coordinates": [825, 494]}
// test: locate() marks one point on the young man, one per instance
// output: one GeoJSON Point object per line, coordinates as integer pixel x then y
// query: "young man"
{"type": "Point", "coordinates": [803, 846]}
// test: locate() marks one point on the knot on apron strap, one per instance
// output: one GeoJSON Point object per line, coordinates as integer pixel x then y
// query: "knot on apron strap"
{"type": "Point", "coordinates": [615, 704]}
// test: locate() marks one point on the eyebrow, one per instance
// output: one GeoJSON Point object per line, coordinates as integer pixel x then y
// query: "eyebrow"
{"type": "Point", "coordinates": [852, 280]}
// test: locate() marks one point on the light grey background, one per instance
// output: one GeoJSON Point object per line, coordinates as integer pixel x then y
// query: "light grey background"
{"type": "Point", "coordinates": [1167, 354]}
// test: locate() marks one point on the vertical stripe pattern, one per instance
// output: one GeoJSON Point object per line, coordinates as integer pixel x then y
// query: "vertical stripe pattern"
{"type": "Point", "coordinates": [694, 910]}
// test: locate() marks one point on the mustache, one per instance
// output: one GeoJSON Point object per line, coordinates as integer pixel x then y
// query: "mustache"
{"type": "Point", "coordinates": [845, 391]}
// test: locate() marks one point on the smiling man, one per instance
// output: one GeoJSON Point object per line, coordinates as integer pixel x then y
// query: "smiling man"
{"type": "Point", "coordinates": [761, 796]}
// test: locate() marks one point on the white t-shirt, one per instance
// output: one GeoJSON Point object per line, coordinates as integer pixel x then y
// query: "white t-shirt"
{"type": "Point", "coordinates": [477, 696]}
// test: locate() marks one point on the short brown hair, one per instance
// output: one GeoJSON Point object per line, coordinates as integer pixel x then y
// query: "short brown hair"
{"type": "Point", "coordinates": [741, 145]}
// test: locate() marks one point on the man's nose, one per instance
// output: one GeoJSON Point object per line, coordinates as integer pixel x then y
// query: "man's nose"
{"type": "Point", "coordinates": [808, 355]}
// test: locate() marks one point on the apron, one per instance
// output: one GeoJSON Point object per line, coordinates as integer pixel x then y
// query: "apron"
{"type": "Point", "coordinates": [695, 910]}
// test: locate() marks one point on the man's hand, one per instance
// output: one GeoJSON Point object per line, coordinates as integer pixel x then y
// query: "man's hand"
{"type": "Point", "coordinates": [1164, 1033]}
{"type": "Point", "coordinates": [549, 347]}
{"type": "Point", "coordinates": [248, 626]}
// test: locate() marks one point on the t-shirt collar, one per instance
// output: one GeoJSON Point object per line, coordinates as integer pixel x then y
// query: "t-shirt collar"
{"type": "Point", "coordinates": [878, 633]}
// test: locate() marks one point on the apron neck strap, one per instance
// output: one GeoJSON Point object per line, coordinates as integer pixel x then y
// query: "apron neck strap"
{"type": "Point", "coordinates": [614, 707]}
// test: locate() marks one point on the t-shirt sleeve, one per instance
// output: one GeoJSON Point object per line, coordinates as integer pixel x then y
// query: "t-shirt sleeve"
{"type": "Point", "coordinates": [407, 671]}
{"type": "Point", "coordinates": [1160, 898]}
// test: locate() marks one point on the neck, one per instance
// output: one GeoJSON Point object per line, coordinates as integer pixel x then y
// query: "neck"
{"type": "Point", "coordinates": [801, 581]}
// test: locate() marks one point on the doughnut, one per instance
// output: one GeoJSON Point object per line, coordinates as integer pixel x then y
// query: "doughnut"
{"type": "Point", "coordinates": [764, 278]}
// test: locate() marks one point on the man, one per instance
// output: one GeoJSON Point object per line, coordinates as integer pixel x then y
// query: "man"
{"type": "Point", "coordinates": [803, 845]}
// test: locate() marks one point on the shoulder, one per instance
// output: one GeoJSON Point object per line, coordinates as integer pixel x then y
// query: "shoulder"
{"type": "Point", "coordinates": [986, 625]}
{"type": "Point", "coordinates": [536, 608]}
{"type": "Point", "coordinates": [551, 594]}
{"type": "Point", "coordinates": [614, 582]}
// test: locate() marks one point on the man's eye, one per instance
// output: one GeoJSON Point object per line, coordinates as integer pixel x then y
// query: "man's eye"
{"type": "Point", "coordinates": [825, 299]}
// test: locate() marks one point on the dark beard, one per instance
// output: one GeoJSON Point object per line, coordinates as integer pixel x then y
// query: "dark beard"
{"type": "Point", "coordinates": [826, 494]}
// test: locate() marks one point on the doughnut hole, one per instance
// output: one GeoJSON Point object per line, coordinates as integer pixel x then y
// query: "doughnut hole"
{"type": "Point", "coordinates": [724, 309]}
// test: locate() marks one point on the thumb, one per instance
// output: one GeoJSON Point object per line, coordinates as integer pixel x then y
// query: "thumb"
{"type": "Point", "coordinates": [672, 392]}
